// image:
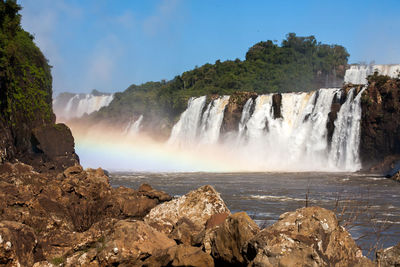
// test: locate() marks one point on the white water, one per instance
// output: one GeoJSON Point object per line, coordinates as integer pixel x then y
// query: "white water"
{"type": "Point", "coordinates": [184, 131]}
{"type": "Point", "coordinates": [296, 141]}
{"type": "Point", "coordinates": [80, 104]}
{"type": "Point", "coordinates": [212, 120]}
{"type": "Point", "coordinates": [346, 137]}
{"type": "Point", "coordinates": [134, 126]}
{"type": "Point", "coordinates": [357, 74]}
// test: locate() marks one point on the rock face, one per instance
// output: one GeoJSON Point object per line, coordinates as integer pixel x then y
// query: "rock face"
{"type": "Point", "coordinates": [233, 110]}
{"type": "Point", "coordinates": [228, 241]}
{"type": "Point", "coordinates": [307, 237]}
{"type": "Point", "coordinates": [389, 257]}
{"type": "Point", "coordinates": [196, 206]}
{"type": "Point", "coordinates": [380, 122]}
{"type": "Point", "coordinates": [17, 244]}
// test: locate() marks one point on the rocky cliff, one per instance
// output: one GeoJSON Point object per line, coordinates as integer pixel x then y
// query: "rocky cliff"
{"type": "Point", "coordinates": [380, 123]}
{"type": "Point", "coordinates": [27, 124]}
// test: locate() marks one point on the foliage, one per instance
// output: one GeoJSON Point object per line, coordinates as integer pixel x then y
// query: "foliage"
{"type": "Point", "coordinates": [298, 64]}
{"type": "Point", "coordinates": [25, 78]}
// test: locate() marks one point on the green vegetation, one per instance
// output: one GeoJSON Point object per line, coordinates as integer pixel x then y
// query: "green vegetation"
{"type": "Point", "coordinates": [25, 78]}
{"type": "Point", "coordinates": [298, 64]}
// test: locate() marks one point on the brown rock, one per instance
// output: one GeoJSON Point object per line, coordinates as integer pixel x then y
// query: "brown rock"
{"type": "Point", "coordinates": [307, 237]}
{"type": "Point", "coordinates": [180, 255]}
{"type": "Point", "coordinates": [389, 257]}
{"type": "Point", "coordinates": [216, 219]}
{"type": "Point", "coordinates": [198, 205]}
{"type": "Point", "coordinates": [131, 242]}
{"type": "Point", "coordinates": [184, 231]}
{"type": "Point", "coordinates": [17, 244]}
{"type": "Point", "coordinates": [233, 110]}
{"type": "Point", "coordinates": [228, 241]}
{"type": "Point", "coordinates": [380, 121]}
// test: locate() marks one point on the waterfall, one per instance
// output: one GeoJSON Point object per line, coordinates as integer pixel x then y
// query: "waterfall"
{"type": "Point", "coordinates": [357, 74]}
{"type": "Point", "coordinates": [346, 137]}
{"type": "Point", "coordinates": [296, 140]}
{"type": "Point", "coordinates": [68, 106]}
{"type": "Point", "coordinates": [212, 120]}
{"type": "Point", "coordinates": [134, 126]}
{"type": "Point", "coordinates": [184, 131]}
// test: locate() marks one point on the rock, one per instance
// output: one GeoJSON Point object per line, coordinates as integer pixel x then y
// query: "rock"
{"type": "Point", "coordinates": [228, 241]}
{"type": "Point", "coordinates": [198, 205]}
{"type": "Point", "coordinates": [276, 105]}
{"type": "Point", "coordinates": [184, 231]}
{"type": "Point", "coordinates": [389, 257]}
{"type": "Point", "coordinates": [233, 110]}
{"type": "Point", "coordinates": [216, 219]}
{"type": "Point", "coordinates": [131, 242]}
{"type": "Point", "coordinates": [380, 122]}
{"type": "Point", "coordinates": [180, 255]}
{"type": "Point", "coordinates": [148, 191]}
{"type": "Point", "coordinates": [307, 237]}
{"type": "Point", "coordinates": [17, 244]}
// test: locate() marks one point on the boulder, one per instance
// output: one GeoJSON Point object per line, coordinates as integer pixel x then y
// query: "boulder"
{"type": "Point", "coordinates": [306, 237]}
{"type": "Point", "coordinates": [17, 244]}
{"type": "Point", "coordinates": [180, 255]}
{"type": "Point", "coordinates": [228, 241]}
{"type": "Point", "coordinates": [131, 242]}
{"type": "Point", "coordinates": [198, 206]}
{"type": "Point", "coordinates": [389, 257]}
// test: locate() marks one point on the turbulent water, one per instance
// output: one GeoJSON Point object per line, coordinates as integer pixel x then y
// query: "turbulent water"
{"type": "Point", "coordinates": [296, 139]}
{"type": "Point", "coordinates": [369, 207]}
{"type": "Point", "coordinates": [79, 104]}
{"type": "Point", "coordinates": [357, 74]}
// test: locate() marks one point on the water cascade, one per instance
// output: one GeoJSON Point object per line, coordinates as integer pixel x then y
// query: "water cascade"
{"type": "Point", "coordinates": [357, 74]}
{"type": "Point", "coordinates": [68, 106]}
{"type": "Point", "coordinates": [295, 139]}
{"type": "Point", "coordinates": [134, 126]}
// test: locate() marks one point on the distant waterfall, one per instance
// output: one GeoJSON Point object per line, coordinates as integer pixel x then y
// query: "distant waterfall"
{"type": "Point", "coordinates": [357, 74]}
{"type": "Point", "coordinates": [134, 126]}
{"type": "Point", "coordinates": [196, 126]}
{"type": "Point", "coordinates": [68, 106]}
{"type": "Point", "coordinates": [298, 136]}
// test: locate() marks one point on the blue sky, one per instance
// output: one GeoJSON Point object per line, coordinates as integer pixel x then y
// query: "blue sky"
{"type": "Point", "coordinates": [109, 45]}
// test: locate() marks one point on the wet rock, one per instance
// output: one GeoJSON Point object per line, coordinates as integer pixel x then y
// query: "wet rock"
{"type": "Point", "coordinates": [17, 244]}
{"type": "Point", "coordinates": [198, 205]}
{"type": "Point", "coordinates": [389, 257]}
{"type": "Point", "coordinates": [131, 242]}
{"type": "Point", "coordinates": [180, 255]}
{"type": "Point", "coordinates": [233, 110]}
{"type": "Point", "coordinates": [307, 237]}
{"type": "Point", "coordinates": [227, 242]}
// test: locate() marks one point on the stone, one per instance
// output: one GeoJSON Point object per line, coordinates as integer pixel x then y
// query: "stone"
{"type": "Point", "coordinates": [389, 257]}
{"type": "Point", "coordinates": [228, 241]}
{"type": "Point", "coordinates": [17, 244]}
{"type": "Point", "coordinates": [306, 237]}
{"type": "Point", "coordinates": [198, 205]}
{"type": "Point", "coordinates": [135, 241]}
{"type": "Point", "coordinates": [180, 255]}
